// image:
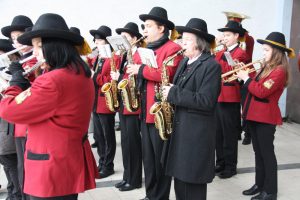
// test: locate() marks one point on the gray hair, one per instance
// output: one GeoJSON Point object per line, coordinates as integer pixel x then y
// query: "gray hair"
{"type": "Point", "coordinates": [202, 45]}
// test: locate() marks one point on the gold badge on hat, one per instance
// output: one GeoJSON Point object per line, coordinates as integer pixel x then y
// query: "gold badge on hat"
{"type": "Point", "coordinates": [22, 96]}
{"type": "Point", "coordinates": [268, 84]}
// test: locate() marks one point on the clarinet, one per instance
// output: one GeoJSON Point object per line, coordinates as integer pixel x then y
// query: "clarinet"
{"type": "Point", "coordinates": [34, 67]}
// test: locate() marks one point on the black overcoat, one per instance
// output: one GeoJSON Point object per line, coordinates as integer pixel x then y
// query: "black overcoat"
{"type": "Point", "coordinates": [191, 150]}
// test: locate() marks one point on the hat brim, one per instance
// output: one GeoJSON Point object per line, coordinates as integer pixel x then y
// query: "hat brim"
{"type": "Point", "coordinates": [94, 32]}
{"type": "Point", "coordinates": [168, 23]}
{"type": "Point", "coordinates": [8, 29]}
{"type": "Point", "coordinates": [240, 32]}
{"type": "Point", "coordinates": [66, 35]}
{"type": "Point", "coordinates": [208, 37]}
{"type": "Point", "coordinates": [273, 45]}
{"type": "Point", "coordinates": [120, 30]}
{"type": "Point", "coordinates": [6, 48]}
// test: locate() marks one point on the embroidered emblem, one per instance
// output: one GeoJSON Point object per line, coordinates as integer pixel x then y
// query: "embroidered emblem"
{"type": "Point", "coordinates": [22, 96]}
{"type": "Point", "coordinates": [268, 84]}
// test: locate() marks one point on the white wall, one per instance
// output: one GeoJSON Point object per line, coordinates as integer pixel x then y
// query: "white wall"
{"type": "Point", "coordinates": [266, 16]}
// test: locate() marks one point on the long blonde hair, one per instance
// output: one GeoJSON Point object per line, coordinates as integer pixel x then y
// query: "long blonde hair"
{"type": "Point", "coordinates": [278, 59]}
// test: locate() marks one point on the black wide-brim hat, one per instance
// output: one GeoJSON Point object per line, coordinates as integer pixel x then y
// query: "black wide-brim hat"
{"type": "Point", "coordinates": [102, 31]}
{"type": "Point", "coordinates": [50, 25]}
{"type": "Point", "coordinates": [6, 45]}
{"type": "Point", "coordinates": [198, 27]}
{"type": "Point", "coordinates": [131, 28]}
{"type": "Point", "coordinates": [75, 30]}
{"type": "Point", "coordinates": [19, 23]}
{"type": "Point", "coordinates": [277, 40]}
{"type": "Point", "coordinates": [158, 14]}
{"type": "Point", "coordinates": [233, 26]}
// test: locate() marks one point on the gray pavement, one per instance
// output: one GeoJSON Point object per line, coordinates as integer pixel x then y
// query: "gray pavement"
{"type": "Point", "coordinates": [287, 147]}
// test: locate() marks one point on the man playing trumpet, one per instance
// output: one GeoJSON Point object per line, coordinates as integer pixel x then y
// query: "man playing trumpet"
{"type": "Point", "coordinates": [228, 107]}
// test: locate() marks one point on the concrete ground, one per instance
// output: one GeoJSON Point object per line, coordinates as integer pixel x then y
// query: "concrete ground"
{"type": "Point", "coordinates": [287, 147]}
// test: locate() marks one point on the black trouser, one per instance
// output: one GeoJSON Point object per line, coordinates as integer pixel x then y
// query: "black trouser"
{"type": "Point", "coordinates": [156, 183]}
{"type": "Point", "coordinates": [228, 128]}
{"type": "Point", "coordinates": [106, 139]}
{"type": "Point", "coordinates": [131, 149]}
{"type": "Point", "coordinates": [189, 191]}
{"type": "Point", "coordinates": [265, 159]}
{"type": "Point", "coordinates": [20, 148]}
{"type": "Point", "coordinates": [10, 167]}
{"type": "Point", "coordinates": [67, 197]}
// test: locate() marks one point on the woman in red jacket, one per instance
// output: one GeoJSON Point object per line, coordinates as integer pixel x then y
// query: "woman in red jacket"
{"type": "Point", "coordinates": [262, 112]}
{"type": "Point", "coordinates": [58, 161]}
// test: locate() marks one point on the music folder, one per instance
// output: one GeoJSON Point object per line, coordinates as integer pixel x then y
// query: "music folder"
{"type": "Point", "coordinates": [148, 57]}
{"type": "Point", "coordinates": [119, 43]}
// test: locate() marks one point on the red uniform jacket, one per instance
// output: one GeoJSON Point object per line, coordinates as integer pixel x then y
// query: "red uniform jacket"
{"type": "Point", "coordinates": [230, 92]}
{"type": "Point", "coordinates": [136, 60]}
{"type": "Point", "coordinates": [102, 78]}
{"type": "Point", "coordinates": [58, 159]}
{"type": "Point", "coordinates": [263, 96]}
{"type": "Point", "coordinates": [153, 76]}
{"type": "Point", "coordinates": [21, 129]}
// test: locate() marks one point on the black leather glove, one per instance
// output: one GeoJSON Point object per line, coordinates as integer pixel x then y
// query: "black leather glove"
{"type": "Point", "coordinates": [19, 80]}
{"type": "Point", "coordinates": [14, 67]}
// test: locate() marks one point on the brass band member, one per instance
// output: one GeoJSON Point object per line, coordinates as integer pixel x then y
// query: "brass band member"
{"type": "Point", "coordinates": [8, 154]}
{"type": "Point", "coordinates": [13, 31]}
{"type": "Point", "coordinates": [157, 26]}
{"type": "Point", "coordinates": [194, 94]}
{"type": "Point", "coordinates": [262, 112]}
{"type": "Point", "coordinates": [104, 118]}
{"type": "Point", "coordinates": [129, 119]}
{"type": "Point", "coordinates": [228, 107]}
{"type": "Point", "coordinates": [59, 162]}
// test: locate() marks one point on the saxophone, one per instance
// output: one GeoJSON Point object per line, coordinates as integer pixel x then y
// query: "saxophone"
{"type": "Point", "coordinates": [110, 89]}
{"type": "Point", "coordinates": [128, 88]}
{"type": "Point", "coordinates": [163, 111]}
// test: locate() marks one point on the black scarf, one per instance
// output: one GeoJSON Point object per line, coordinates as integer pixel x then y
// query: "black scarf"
{"type": "Point", "coordinates": [158, 43]}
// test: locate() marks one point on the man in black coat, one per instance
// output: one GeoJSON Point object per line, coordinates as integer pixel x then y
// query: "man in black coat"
{"type": "Point", "coordinates": [191, 152]}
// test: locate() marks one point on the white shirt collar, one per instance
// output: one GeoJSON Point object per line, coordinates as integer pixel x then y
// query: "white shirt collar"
{"type": "Point", "coordinates": [232, 47]}
{"type": "Point", "coordinates": [190, 61]}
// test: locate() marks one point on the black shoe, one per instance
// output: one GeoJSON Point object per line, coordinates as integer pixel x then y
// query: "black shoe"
{"type": "Point", "coordinates": [246, 141]}
{"type": "Point", "coordinates": [219, 168]}
{"type": "Point", "coordinates": [264, 196]}
{"type": "Point", "coordinates": [120, 184]}
{"type": "Point", "coordinates": [252, 191]}
{"type": "Point", "coordinates": [128, 187]}
{"type": "Point", "coordinates": [227, 174]}
{"type": "Point", "coordinates": [105, 173]}
{"type": "Point", "coordinates": [94, 145]}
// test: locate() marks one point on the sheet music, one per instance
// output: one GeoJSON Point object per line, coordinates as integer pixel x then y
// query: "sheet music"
{"type": "Point", "coordinates": [229, 59]}
{"type": "Point", "coordinates": [105, 51]}
{"type": "Point", "coordinates": [119, 43]}
{"type": "Point", "coordinates": [148, 57]}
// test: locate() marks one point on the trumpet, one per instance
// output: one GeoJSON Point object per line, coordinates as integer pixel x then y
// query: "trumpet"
{"type": "Point", "coordinates": [230, 75]}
